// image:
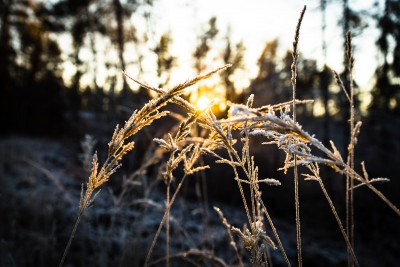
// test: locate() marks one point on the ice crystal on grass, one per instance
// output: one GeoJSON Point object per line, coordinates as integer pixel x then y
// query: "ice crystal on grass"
{"type": "Point", "coordinates": [227, 141]}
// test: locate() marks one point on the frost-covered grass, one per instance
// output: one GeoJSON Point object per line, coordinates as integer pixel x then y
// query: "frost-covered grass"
{"type": "Point", "coordinates": [132, 224]}
{"type": "Point", "coordinates": [227, 140]}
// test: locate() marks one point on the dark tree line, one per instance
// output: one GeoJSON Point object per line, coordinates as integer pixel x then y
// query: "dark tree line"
{"type": "Point", "coordinates": [30, 67]}
{"type": "Point", "coordinates": [386, 93]}
{"type": "Point", "coordinates": [35, 97]}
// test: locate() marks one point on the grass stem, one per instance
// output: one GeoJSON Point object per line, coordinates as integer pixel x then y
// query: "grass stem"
{"type": "Point", "coordinates": [295, 56]}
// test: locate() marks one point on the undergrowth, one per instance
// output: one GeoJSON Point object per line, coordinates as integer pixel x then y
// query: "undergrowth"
{"type": "Point", "coordinates": [201, 134]}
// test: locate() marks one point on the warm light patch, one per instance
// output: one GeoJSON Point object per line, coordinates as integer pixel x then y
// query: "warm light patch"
{"type": "Point", "coordinates": [202, 102]}
{"type": "Point", "coordinates": [318, 109]}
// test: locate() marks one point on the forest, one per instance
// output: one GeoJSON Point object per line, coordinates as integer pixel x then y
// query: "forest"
{"type": "Point", "coordinates": [109, 156]}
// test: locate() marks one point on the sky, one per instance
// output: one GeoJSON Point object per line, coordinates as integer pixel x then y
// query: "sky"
{"type": "Point", "coordinates": [257, 21]}
{"type": "Point", "coordinates": [252, 21]}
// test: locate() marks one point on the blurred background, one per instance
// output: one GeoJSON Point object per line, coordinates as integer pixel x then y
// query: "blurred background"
{"type": "Point", "coordinates": [62, 92]}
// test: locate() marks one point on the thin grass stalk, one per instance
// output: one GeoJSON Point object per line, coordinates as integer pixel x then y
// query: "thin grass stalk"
{"type": "Point", "coordinates": [348, 215]}
{"type": "Point", "coordinates": [206, 218]}
{"type": "Point", "coordinates": [228, 229]}
{"type": "Point", "coordinates": [232, 151]}
{"type": "Point", "coordinates": [269, 260]}
{"type": "Point", "coordinates": [204, 199]}
{"type": "Point", "coordinates": [385, 199]}
{"type": "Point", "coordinates": [117, 147]}
{"type": "Point", "coordinates": [295, 56]}
{"type": "Point", "coordinates": [71, 237]}
{"type": "Point", "coordinates": [346, 167]}
{"type": "Point", "coordinates": [168, 207]}
{"type": "Point", "coordinates": [258, 199]}
{"type": "Point", "coordinates": [345, 236]}
{"type": "Point", "coordinates": [250, 176]}
{"type": "Point", "coordinates": [274, 231]}
{"type": "Point", "coordinates": [332, 159]}
{"type": "Point", "coordinates": [138, 120]}
{"type": "Point", "coordinates": [266, 260]}
{"type": "Point", "coordinates": [352, 141]}
{"type": "Point", "coordinates": [241, 190]}
{"type": "Point", "coordinates": [167, 224]}
{"type": "Point", "coordinates": [233, 154]}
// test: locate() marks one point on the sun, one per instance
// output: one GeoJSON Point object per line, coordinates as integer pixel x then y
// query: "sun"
{"type": "Point", "coordinates": [202, 102]}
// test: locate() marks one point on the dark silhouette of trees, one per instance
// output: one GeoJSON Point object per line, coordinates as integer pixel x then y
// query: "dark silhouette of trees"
{"type": "Point", "coordinates": [307, 84]}
{"type": "Point", "coordinates": [204, 45]}
{"type": "Point", "coordinates": [386, 93]}
{"type": "Point", "coordinates": [165, 61]}
{"type": "Point", "coordinates": [33, 53]}
{"type": "Point", "coordinates": [267, 83]}
{"type": "Point", "coordinates": [120, 39]}
{"type": "Point", "coordinates": [324, 75]}
{"type": "Point", "coordinates": [272, 83]}
{"type": "Point", "coordinates": [122, 12]}
{"type": "Point", "coordinates": [30, 70]}
{"type": "Point", "coordinates": [32, 62]}
{"type": "Point", "coordinates": [7, 52]}
{"type": "Point", "coordinates": [234, 55]}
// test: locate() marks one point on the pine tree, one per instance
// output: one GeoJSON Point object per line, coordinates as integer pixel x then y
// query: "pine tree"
{"type": "Point", "coordinates": [386, 94]}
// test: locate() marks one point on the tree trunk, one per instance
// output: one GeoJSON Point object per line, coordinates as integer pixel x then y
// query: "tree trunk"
{"type": "Point", "coordinates": [6, 50]}
{"type": "Point", "coordinates": [120, 39]}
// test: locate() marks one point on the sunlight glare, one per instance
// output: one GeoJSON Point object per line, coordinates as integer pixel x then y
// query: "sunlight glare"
{"type": "Point", "coordinates": [202, 102]}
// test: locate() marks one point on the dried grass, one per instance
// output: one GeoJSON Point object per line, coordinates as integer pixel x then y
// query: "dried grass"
{"type": "Point", "coordinates": [275, 125]}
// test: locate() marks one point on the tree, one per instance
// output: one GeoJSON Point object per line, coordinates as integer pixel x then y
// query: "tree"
{"type": "Point", "coordinates": [268, 83]}
{"type": "Point", "coordinates": [307, 84]}
{"type": "Point", "coordinates": [7, 52]}
{"type": "Point", "coordinates": [324, 75]}
{"type": "Point", "coordinates": [7, 61]}
{"type": "Point", "coordinates": [204, 46]}
{"type": "Point", "coordinates": [386, 93]}
{"type": "Point", "coordinates": [165, 61]}
{"type": "Point", "coordinates": [120, 40]}
{"type": "Point", "coordinates": [233, 55]}
{"type": "Point", "coordinates": [30, 63]}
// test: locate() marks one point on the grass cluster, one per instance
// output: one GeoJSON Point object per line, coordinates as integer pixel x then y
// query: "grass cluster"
{"type": "Point", "coordinates": [200, 134]}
